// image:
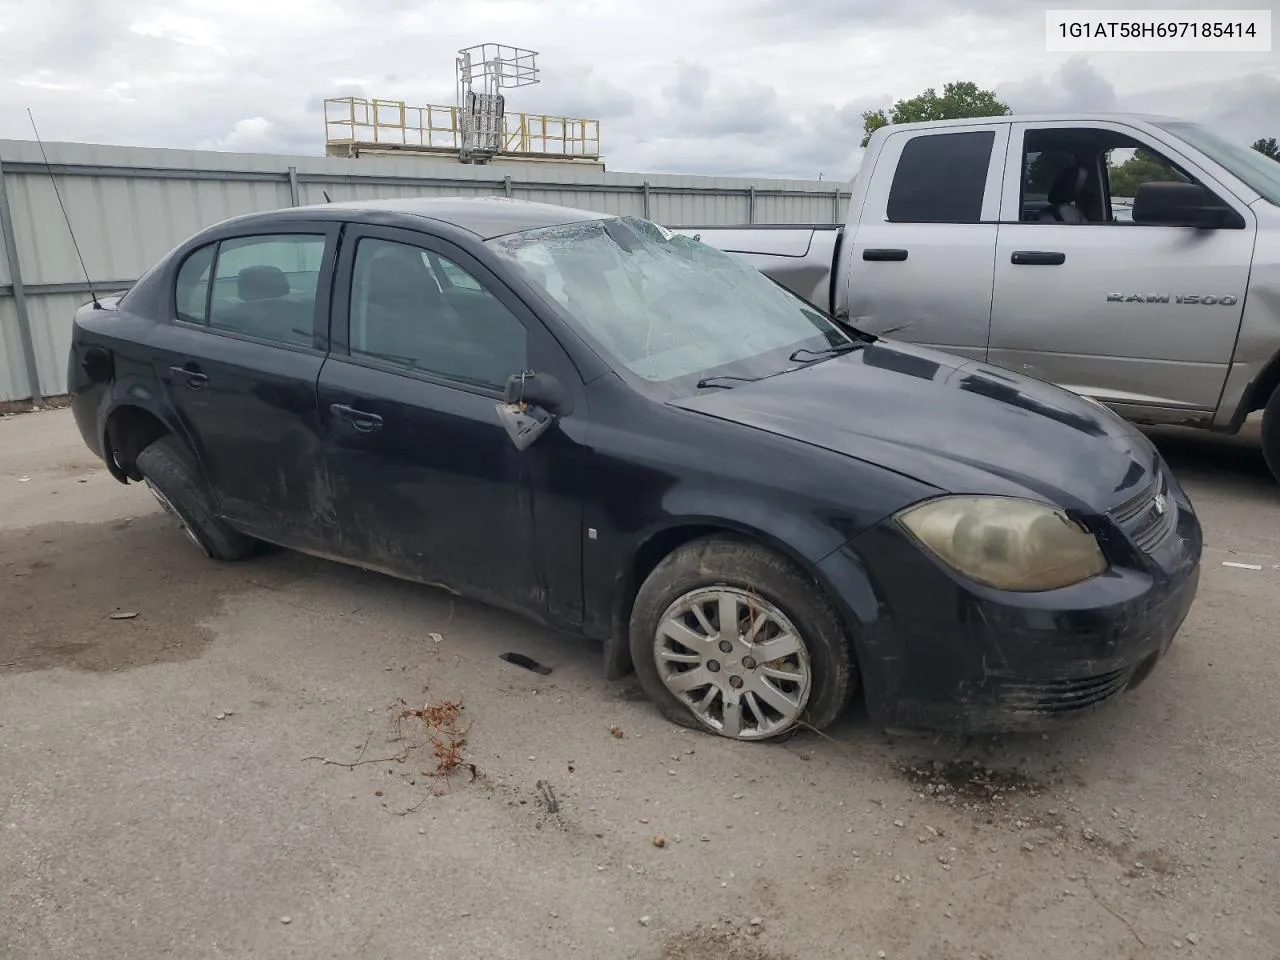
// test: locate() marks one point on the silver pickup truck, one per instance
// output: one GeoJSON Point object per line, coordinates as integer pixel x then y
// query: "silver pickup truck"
{"type": "Point", "coordinates": [1000, 239]}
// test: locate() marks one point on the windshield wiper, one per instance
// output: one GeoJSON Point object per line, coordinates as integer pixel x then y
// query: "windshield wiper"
{"type": "Point", "coordinates": [716, 381]}
{"type": "Point", "coordinates": [832, 351]}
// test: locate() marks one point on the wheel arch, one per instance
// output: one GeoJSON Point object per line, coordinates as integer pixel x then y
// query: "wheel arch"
{"type": "Point", "coordinates": [129, 427]}
{"type": "Point", "coordinates": [658, 543]}
{"type": "Point", "coordinates": [1258, 393]}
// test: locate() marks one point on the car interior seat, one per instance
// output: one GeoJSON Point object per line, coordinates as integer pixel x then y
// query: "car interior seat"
{"type": "Point", "coordinates": [1064, 196]}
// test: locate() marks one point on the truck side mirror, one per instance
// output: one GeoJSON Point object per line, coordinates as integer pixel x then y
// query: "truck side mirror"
{"type": "Point", "coordinates": [1182, 205]}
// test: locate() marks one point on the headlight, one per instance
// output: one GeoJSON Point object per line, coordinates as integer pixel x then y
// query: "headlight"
{"type": "Point", "coordinates": [1006, 543]}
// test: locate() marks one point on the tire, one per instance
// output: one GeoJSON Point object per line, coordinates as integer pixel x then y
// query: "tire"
{"type": "Point", "coordinates": [175, 482]}
{"type": "Point", "coordinates": [818, 679]}
{"type": "Point", "coordinates": [1271, 433]}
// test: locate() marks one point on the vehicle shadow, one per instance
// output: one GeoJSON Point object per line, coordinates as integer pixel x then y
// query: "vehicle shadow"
{"type": "Point", "coordinates": [1233, 464]}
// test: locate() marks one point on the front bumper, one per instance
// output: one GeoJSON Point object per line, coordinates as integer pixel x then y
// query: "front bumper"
{"type": "Point", "coordinates": [942, 653]}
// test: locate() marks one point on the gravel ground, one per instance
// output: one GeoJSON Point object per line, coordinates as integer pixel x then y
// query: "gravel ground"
{"type": "Point", "coordinates": [165, 790]}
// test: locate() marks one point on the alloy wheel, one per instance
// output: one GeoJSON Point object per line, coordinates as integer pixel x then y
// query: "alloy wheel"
{"type": "Point", "coordinates": [735, 660]}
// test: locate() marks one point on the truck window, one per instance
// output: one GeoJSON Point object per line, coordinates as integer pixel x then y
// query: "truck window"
{"type": "Point", "coordinates": [1086, 175]}
{"type": "Point", "coordinates": [941, 178]}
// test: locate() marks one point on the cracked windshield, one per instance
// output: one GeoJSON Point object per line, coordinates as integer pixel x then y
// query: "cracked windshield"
{"type": "Point", "coordinates": [667, 306]}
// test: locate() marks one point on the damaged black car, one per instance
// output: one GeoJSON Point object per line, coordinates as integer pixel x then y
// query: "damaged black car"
{"type": "Point", "coordinates": [583, 418]}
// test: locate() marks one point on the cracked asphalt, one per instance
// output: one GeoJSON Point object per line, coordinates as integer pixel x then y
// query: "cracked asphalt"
{"type": "Point", "coordinates": [164, 790]}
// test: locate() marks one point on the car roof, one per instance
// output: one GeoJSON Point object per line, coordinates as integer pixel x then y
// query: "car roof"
{"type": "Point", "coordinates": [486, 217]}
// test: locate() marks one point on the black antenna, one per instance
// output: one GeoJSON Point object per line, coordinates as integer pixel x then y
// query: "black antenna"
{"type": "Point", "coordinates": [326, 196]}
{"type": "Point", "coordinates": [58, 194]}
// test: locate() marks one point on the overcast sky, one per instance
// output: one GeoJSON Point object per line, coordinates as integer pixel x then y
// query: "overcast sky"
{"type": "Point", "coordinates": [722, 87]}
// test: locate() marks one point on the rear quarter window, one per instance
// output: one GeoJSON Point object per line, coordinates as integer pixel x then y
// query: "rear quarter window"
{"type": "Point", "coordinates": [191, 293]}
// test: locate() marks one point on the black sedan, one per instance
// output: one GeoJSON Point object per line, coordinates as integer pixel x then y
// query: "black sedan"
{"type": "Point", "coordinates": [632, 436]}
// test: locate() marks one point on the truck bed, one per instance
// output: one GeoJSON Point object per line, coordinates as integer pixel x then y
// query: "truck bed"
{"type": "Point", "coordinates": [801, 257]}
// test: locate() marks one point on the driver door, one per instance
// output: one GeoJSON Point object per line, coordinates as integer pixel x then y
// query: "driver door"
{"type": "Point", "coordinates": [1141, 316]}
{"type": "Point", "coordinates": [425, 481]}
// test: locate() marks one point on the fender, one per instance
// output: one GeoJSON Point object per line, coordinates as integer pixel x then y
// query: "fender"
{"type": "Point", "coordinates": [804, 539]}
{"type": "Point", "coordinates": [137, 391]}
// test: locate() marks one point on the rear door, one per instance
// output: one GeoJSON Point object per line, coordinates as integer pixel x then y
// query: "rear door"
{"type": "Point", "coordinates": [426, 483]}
{"type": "Point", "coordinates": [920, 261]}
{"type": "Point", "coordinates": [239, 361]}
{"type": "Point", "coordinates": [1143, 317]}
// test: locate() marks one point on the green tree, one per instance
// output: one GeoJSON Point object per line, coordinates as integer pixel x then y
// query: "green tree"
{"type": "Point", "coordinates": [1269, 147]}
{"type": "Point", "coordinates": [958, 100]}
{"type": "Point", "coordinates": [1139, 169]}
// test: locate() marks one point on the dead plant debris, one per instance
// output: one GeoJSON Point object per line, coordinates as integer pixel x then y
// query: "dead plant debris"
{"type": "Point", "coordinates": [445, 737]}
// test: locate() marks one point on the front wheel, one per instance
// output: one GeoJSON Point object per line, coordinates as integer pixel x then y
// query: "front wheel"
{"type": "Point", "coordinates": [1271, 433]}
{"type": "Point", "coordinates": [728, 637]}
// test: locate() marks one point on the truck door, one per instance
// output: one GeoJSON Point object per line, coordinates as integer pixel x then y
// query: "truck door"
{"type": "Point", "coordinates": [1142, 317]}
{"type": "Point", "coordinates": [920, 260]}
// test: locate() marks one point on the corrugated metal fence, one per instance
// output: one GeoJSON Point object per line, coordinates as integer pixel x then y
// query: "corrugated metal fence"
{"type": "Point", "coordinates": [128, 206]}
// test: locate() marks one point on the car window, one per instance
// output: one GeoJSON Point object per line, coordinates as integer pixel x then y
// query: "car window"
{"type": "Point", "coordinates": [402, 313]}
{"type": "Point", "coordinates": [1128, 169]}
{"type": "Point", "coordinates": [191, 296]}
{"type": "Point", "coordinates": [449, 274]}
{"type": "Point", "coordinates": [265, 286]}
{"type": "Point", "coordinates": [941, 178]}
{"type": "Point", "coordinates": [1063, 170]}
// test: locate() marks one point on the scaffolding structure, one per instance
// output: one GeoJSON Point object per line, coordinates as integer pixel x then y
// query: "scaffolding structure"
{"type": "Point", "coordinates": [475, 129]}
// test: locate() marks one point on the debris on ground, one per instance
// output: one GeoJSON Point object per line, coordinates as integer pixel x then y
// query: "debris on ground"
{"type": "Point", "coordinates": [659, 841]}
{"type": "Point", "coordinates": [549, 798]}
{"type": "Point", "coordinates": [124, 615]}
{"type": "Point", "coordinates": [440, 722]}
{"type": "Point", "coordinates": [969, 784]}
{"type": "Point", "coordinates": [436, 637]}
{"type": "Point", "coordinates": [520, 660]}
{"type": "Point", "coordinates": [617, 732]}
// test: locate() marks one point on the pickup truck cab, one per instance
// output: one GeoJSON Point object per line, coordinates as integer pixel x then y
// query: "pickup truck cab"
{"type": "Point", "coordinates": [1002, 239]}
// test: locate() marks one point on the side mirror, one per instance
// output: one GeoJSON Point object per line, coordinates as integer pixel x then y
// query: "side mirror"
{"type": "Point", "coordinates": [537, 390]}
{"type": "Point", "coordinates": [530, 405]}
{"type": "Point", "coordinates": [1182, 205]}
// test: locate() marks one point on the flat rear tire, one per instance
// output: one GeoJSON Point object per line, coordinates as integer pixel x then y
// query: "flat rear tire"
{"type": "Point", "coordinates": [175, 482]}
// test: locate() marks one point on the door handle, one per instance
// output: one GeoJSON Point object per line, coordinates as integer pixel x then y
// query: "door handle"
{"type": "Point", "coordinates": [882, 256]}
{"type": "Point", "coordinates": [195, 379]}
{"type": "Point", "coordinates": [361, 421]}
{"type": "Point", "coordinates": [1038, 258]}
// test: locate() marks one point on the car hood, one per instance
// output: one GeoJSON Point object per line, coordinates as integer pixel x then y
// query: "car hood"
{"type": "Point", "coordinates": [961, 426]}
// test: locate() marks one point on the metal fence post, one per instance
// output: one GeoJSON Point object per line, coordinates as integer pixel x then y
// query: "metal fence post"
{"type": "Point", "coordinates": [646, 201]}
{"type": "Point", "coordinates": [506, 185]}
{"type": "Point", "coordinates": [293, 187]}
{"type": "Point", "coordinates": [751, 204]}
{"type": "Point", "coordinates": [19, 293]}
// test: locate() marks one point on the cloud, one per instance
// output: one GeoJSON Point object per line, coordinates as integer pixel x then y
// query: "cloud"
{"type": "Point", "coordinates": [744, 87]}
{"type": "Point", "coordinates": [1075, 86]}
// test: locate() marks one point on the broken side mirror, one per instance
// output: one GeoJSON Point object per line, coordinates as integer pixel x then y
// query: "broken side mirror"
{"type": "Point", "coordinates": [530, 404]}
{"type": "Point", "coordinates": [537, 390]}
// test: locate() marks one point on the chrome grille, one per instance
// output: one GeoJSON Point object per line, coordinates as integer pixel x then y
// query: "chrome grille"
{"type": "Point", "coordinates": [1149, 517]}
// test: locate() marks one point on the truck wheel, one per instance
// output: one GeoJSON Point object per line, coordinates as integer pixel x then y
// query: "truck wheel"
{"type": "Point", "coordinates": [175, 483]}
{"type": "Point", "coordinates": [1271, 433]}
{"type": "Point", "coordinates": [728, 637]}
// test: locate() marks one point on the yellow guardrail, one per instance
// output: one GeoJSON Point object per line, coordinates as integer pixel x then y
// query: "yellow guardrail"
{"type": "Point", "coordinates": [393, 123]}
